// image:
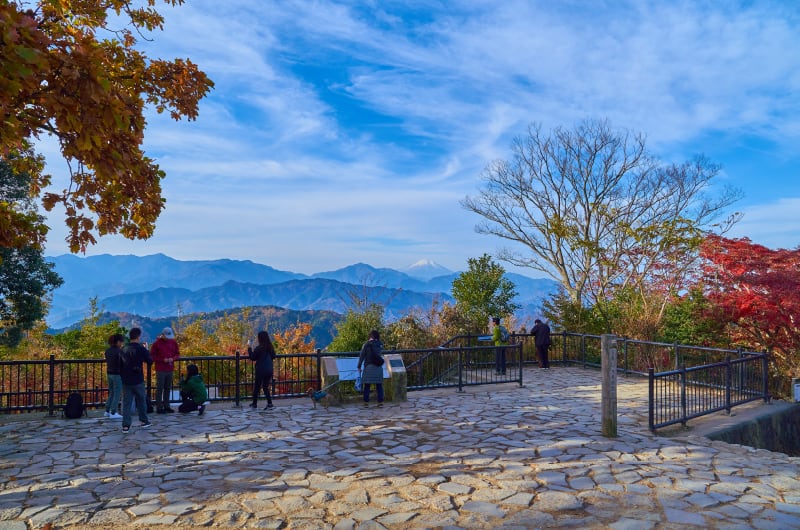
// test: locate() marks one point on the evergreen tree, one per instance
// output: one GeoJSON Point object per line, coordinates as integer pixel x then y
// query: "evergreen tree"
{"type": "Point", "coordinates": [483, 292]}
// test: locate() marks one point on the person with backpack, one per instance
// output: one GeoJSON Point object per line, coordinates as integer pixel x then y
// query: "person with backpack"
{"type": "Point", "coordinates": [113, 367]}
{"type": "Point", "coordinates": [263, 355]}
{"type": "Point", "coordinates": [165, 353]}
{"type": "Point", "coordinates": [541, 334]}
{"type": "Point", "coordinates": [500, 339]}
{"type": "Point", "coordinates": [133, 356]}
{"type": "Point", "coordinates": [371, 359]}
{"type": "Point", "coordinates": [194, 394]}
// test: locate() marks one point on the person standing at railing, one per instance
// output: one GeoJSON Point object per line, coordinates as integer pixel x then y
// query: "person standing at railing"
{"type": "Point", "coordinates": [371, 359]}
{"type": "Point", "coordinates": [500, 338]}
{"type": "Point", "coordinates": [264, 357]}
{"type": "Point", "coordinates": [113, 367]}
{"type": "Point", "coordinates": [133, 356]}
{"type": "Point", "coordinates": [164, 352]}
{"type": "Point", "coordinates": [541, 338]}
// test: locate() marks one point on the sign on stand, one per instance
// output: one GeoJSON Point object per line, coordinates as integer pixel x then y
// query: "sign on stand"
{"type": "Point", "coordinates": [348, 368]}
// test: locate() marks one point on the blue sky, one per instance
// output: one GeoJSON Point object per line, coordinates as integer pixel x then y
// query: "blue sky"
{"type": "Point", "coordinates": [344, 132]}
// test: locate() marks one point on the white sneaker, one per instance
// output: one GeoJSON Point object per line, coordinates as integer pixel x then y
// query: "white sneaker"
{"type": "Point", "coordinates": [107, 414]}
{"type": "Point", "coordinates": [115, 416]}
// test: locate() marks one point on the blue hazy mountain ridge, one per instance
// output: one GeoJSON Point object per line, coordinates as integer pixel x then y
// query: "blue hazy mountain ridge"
{"type": "Point", "coordinates": [297, 295]}
{"type": "Point", "coordinates": [158, 285]}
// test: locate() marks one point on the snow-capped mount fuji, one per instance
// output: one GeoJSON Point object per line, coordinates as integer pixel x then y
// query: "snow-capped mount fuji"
{"type": "Point", "coordinates": [425, 269]}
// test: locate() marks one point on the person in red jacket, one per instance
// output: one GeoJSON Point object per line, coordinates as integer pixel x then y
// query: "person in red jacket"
{"type": "Point", "coordinates": [164, 353]}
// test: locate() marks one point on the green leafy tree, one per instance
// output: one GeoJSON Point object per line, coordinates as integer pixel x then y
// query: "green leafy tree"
{"type": "Point", "coordinates": [408, 332]}
{"type": "Point", "coordinates": [90, 339]}
{"type": "Point", "coordinates": [565, 313]}
{"type": "Point", "coordinates": [25, 281]}
{"type": "Point", "coordinates": [687, 321]}
{"type": "Point", "coordinates": [354, 330]}
{"type": "Point", "coordinates": [482, 292]}
{"type": "Point", "coordinates": [25, 277]}
{"type": "Point", "coordinates": [20, 223]}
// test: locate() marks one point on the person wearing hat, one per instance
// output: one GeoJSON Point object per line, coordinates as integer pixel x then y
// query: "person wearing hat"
{"type": "Point", "coordinates": [164, 353]}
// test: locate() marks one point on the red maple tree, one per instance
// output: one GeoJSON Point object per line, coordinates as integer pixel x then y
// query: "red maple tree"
{"type": "Point", "coordinates": [755, 290]}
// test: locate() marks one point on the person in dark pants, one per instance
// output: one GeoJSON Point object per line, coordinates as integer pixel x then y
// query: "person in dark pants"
{"type": "Point", "coordinates": [165, 353]}
{"type": "Point", "coordinates": [263, 356]}
{"type": "Point", "coordinates": [500, 338]}
{"type": "Point", "coordinates": [541, 334]}
{"type": "Point", "coordinates": [371, 359]}
{"type": "Point", "coordinates": [113, 367]}
{"type": "Point", "coordinates": [132, 357]}
{"type": "Point", "coordinates": [194, 394]}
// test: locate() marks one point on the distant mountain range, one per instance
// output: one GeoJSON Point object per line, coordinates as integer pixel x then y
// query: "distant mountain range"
{"type": "Point", "coordinates": [158, 286]}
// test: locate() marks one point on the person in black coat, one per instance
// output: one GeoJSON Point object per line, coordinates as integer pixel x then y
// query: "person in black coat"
{"type": "Point", "coordinates": [541, 334]}
{"type": "Point", "coordinates": [133, 356]}
{"type": "Point", "coordinates": [263, 356]}
{"type": "Point", "coordinates": [371, 359]}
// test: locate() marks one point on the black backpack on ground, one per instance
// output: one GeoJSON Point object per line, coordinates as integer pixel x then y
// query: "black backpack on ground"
{"type": "Point", "coordinates": [74, 407]}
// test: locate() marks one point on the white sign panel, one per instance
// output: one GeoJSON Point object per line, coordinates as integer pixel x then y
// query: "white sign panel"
{"type": "Point", "coordinates": [348, 368]}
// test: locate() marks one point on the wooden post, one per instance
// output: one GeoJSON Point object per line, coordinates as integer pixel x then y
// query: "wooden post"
{"type": "Point", "coordinates": [608, 367]}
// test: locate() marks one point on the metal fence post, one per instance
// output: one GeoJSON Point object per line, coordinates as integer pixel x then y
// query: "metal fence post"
{"type": "Point", "coordinates": [765, 376]}
{"type": "Point", "coordinates": [676, 350]}
{"type": "Point", "coordinates": [583, 350]}
{"type": "Point", "coordinates": [51, 393]}
{"type": "Point", "coordinates": [564, 346]}
{"type": "Point", "coordinates": [460, 369]}
{"type": "Point", "coordinates": [651, 417]}
{"type": "Point", "coordinates": [728, 383]}
{"type": "Point", "coordinates": [149, 386]}
{"type": "Point", "coordinates": [684, 411]}
{"type": "Point", "coordinates": [238, 385]}
{"type": "Point", "coordinates": [318, 357]}
{"type": "Point", "coordinates": [625, 349]}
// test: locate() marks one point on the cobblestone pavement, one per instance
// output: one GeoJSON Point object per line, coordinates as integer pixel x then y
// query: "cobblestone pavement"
{"type": "Point", "coordinates": [505, 457]}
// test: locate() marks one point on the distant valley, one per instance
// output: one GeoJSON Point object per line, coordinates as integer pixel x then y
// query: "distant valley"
{"type": "Point", "coordinates": [160, 287]}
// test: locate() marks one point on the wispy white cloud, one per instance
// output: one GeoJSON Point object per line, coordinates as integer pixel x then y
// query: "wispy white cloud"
{"type": "Point", "coordinates": [774, 225]}
{"type": "Point", "coordinates": [342, 132]}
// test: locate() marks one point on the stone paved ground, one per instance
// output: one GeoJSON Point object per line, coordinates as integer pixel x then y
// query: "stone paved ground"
{"type": "Point", "coordinates": [511, 457]}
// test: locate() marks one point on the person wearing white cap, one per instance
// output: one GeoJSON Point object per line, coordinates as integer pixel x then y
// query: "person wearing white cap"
{"type": "Point", "coordinates": [164, 353]}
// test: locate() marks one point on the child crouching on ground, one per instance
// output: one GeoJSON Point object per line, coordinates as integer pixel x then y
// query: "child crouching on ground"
{"type": "Point", "coordinates": [194, 395]}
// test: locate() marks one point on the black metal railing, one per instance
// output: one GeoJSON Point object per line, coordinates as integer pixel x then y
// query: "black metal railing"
{"type": "Point", "coordinates": [685, 381]}
{"type": "Point", "coordinates": [43, 385]}
{"type": "Point", "coordinates": [707, 380]}
{"type": "Point", "coordinates": [678, 396]}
